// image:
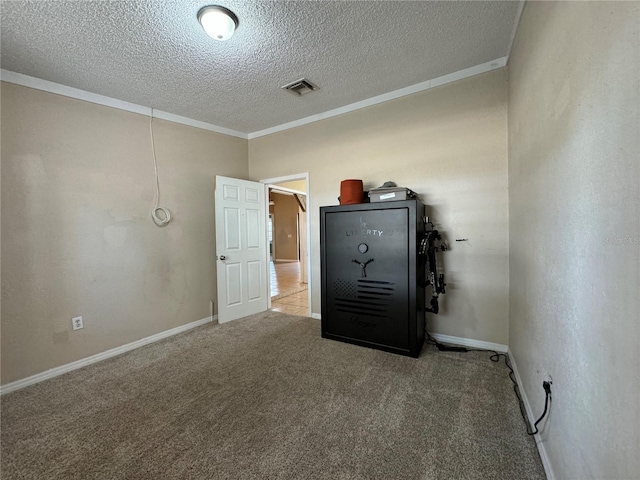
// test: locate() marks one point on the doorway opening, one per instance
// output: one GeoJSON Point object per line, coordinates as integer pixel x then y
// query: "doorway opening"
{"type": "Point", "coordinates": [289, 244]}
{"type": "Point", "coordinates": [270, 236]}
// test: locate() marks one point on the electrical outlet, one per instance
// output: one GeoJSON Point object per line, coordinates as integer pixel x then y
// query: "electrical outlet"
{"type": "Point", "coordinates": [547, 385]}
{"type": "Point", "coordinates": [76, 322]}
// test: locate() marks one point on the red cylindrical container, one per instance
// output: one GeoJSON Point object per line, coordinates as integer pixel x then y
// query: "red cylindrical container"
{"type": "Point", "coordinates": [351, 191]}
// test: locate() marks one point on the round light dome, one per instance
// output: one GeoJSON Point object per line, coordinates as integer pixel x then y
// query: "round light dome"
{"type": "Point", "coordinates": [220, 23]}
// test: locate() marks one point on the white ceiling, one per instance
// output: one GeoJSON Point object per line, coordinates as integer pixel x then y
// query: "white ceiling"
{"type": "Point", "coordinates": [155, 54]}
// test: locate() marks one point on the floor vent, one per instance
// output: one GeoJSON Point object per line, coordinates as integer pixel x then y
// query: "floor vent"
{"type": "Point", "coordinates": [300, 87]}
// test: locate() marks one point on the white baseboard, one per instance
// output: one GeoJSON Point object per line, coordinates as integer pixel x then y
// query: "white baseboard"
{"type": "Point", "coordinates": [69, 367]}
{"type": "Point", "coordinates": [539, 442]}
{"type": "Point", "coordinates": [468, 342]}
{"type": "Point", "coordinates": [465, 342]}
{"type": "Point", "coordinates": [286, 260]}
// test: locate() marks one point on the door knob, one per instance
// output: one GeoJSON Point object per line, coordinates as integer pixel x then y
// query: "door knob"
{"type": "Point", "coordinates": [222, 257]}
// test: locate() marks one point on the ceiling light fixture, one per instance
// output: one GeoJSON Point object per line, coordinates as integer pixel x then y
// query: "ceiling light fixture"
{"type": "Point", "coordinates": [218, 22]}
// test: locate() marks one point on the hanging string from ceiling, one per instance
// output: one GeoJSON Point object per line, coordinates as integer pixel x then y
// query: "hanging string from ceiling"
{"type": "Point", "coordinates": [164, 217]}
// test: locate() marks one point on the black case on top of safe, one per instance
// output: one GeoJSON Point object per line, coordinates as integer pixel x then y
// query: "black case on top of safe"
{"type": "Point", "coordinates": [386, 308]}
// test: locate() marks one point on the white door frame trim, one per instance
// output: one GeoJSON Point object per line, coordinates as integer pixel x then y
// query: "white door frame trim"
{"type": "Point", "coordinates": [289, 178]}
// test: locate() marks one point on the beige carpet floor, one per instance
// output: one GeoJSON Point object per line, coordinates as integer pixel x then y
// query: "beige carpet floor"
{"type": "Point", "coordinates": [267, 398]}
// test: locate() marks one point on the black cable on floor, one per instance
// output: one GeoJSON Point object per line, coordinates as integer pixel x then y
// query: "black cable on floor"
{"type": "Point", "coordinates": [495, 357]}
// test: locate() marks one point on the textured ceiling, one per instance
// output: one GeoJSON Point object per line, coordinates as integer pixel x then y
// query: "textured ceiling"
{"type": "Point", "coordinates": [154, 53]}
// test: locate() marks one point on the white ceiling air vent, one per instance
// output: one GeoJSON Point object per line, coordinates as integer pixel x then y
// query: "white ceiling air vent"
{"type": "Point", "coordinates": [300, 87]}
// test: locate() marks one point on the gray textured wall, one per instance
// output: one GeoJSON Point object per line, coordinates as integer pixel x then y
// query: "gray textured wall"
{"type": "Point", "coordinates": [449, 144]}
{"type": "Point", "coordinates": [77, 237]}
{"type": "Point", "coordinates": [574, 156]}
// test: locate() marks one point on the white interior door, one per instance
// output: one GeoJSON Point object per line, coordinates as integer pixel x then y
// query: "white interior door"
{"type": "Point", "coordinates": [240, 248]}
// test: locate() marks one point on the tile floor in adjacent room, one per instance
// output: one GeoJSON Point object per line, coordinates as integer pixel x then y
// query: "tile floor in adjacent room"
{"type": "Point", "coordinates": [285, 279]}
{"type": "Point", "coordinates": [295, 304]}
{"type": "Point", "coordinates": [288, 295]}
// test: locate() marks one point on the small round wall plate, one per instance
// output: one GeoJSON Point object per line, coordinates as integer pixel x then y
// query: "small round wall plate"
{"type": "Point", "coordinates": [363, 247]}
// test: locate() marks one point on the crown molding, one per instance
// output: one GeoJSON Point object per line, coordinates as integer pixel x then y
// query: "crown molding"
{"type": "Point", "coordinates": [515, 29]}
{"type": "Point", "coordinates": [403, 92]}
{"type": "Point", "coordinates": [59, 89]}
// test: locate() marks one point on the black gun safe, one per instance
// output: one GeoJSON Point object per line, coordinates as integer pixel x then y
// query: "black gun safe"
{"type": "Point", "coordinates": [372, 282]}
